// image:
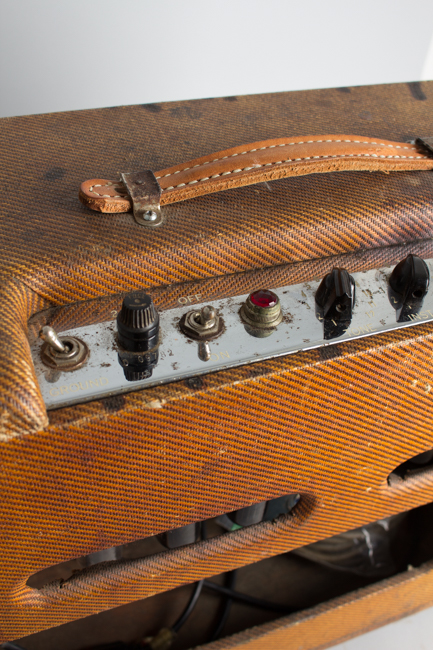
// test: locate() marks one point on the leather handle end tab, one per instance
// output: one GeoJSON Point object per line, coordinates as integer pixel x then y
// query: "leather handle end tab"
{"type": "Point", "coordinates": [265, 161]}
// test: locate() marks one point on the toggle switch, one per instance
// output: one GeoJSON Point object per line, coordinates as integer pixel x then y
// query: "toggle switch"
{"type": "Point", "coordinates": [335, 299]}
{"type": "Point", "coordinates": [408, 286]}
{"type": "Point", "coordinates": [64, 353]}
{"type": "Point", "coordinates": [138, 336]}
{"type": "Point", "coordinates": [202, 325]}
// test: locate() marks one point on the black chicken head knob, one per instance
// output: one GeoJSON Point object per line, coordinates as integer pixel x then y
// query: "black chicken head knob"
{"type": "Point", "coordinates": [335, 298]}
{"type": "Point", "coordinates": [408, 286]}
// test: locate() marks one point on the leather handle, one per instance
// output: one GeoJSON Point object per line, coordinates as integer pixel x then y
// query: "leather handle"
{"type": "Point", "coordinates": [264, 161]}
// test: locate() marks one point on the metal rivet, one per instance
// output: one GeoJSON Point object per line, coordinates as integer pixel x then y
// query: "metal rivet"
{"type": "Point", "coordinates": [150, 215]}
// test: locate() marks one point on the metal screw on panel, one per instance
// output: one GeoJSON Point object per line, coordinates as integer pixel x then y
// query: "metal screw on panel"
{"type": "Point", "coordinates": [150, 215]}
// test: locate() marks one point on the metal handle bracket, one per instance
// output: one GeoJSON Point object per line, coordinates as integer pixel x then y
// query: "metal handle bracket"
{"type": "Point", "coordinates": [145, 193]}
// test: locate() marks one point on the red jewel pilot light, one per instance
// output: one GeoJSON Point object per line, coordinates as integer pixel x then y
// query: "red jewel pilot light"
{"type": "Point", "coordinates": [261, 312]}
{"type": "Point", "coordinates": [264, 298]}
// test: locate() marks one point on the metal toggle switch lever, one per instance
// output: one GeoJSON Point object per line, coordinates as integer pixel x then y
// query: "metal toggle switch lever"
{"type": "Point", "coordinates": [62, 353]}
{"type": "Point", "coordinates": [202, 326]}
{"type": "Point", "coordinates": [50, 336]}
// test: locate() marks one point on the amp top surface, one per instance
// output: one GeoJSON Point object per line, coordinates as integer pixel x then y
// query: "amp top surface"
{"type": "Point", "coordinates": [65, 252]}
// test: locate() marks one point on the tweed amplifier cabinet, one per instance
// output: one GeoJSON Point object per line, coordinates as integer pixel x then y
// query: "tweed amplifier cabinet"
{"type": "Point", "coordinates": [245, 336]}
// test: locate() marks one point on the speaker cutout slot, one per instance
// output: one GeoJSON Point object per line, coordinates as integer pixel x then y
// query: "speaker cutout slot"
{"type": "Point", "coordinates": [415, 466]}
{"type": "Point", "coordinates": [176, 538]}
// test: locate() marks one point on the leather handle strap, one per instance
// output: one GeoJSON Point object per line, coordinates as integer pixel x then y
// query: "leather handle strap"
{"type": "Point", "coordinates": [265, 161]}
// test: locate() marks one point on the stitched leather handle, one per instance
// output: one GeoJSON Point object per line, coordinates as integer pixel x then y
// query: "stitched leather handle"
{"type": "Point", "coordinates": [264, 161]}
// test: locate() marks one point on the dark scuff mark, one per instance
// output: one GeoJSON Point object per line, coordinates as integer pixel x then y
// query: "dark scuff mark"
{"type": "Point", "coordinates": [329, 352]}
{"type": "Point", "coordinates": [194, 382]}
{"type": "Point", "coordinates": [54, 174]}
{"type": "Point", "coordinates": [255, 370]}
{"type": "Point", "coordinates": [232, 98]}
{"type": "Point", "coordinates": [191, 112]}
{"type": "Point", "coordinates": [211, 468]}
{"type": "Point", "coordinates": [365, 115]}
{"type": "Point", "coordinates": [114, 403]}
{"type": "Point", "coordinates": [326, 103]}
{"type": "Point", "coordinates": [152, 108]}
{"type": "Point", "coordinates": [344, 89]}
{"type": "Point", "coordinates": [287, 318]}
{"type": "Point", "coordinates": [416, 90]}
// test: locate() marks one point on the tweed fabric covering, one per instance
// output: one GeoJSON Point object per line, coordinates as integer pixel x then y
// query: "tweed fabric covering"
{"type": "Point", "coordinates": [22, 408]}
{"type": "Point", "coordinates": [65, 252]}
{"type": "Point", "coordinates": [330, 424]}
{"type": "Point", "coordinates": [341, 618]}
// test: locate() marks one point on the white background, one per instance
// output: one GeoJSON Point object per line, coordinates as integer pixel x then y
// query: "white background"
{"type": "Point", "coordinates": [58, 55]}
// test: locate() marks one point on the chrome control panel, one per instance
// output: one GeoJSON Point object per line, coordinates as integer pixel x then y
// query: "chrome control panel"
{"type": "Point", "coordinates": [233, 331]}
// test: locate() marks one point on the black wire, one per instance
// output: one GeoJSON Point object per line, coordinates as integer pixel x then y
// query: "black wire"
{"type": "Point", "coordinates": [226, 591]}
{"type": "Point", "coordinates": [248, 600]}
{"type": "Point", "coordinates": [114, 645]}
{"type": "Point", "coordinates": [231, 580]}
{"type": "Point", "coordinates": [195, 595]}
{"type": "Point", "coordinates": [192, 603]}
